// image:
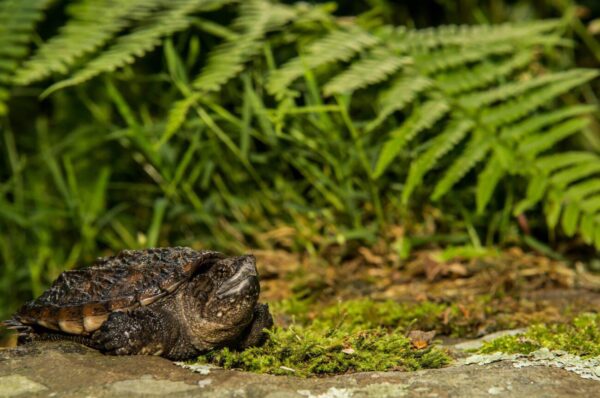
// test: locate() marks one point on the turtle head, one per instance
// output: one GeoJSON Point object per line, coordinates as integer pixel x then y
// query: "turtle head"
{"type": "Point", "coordinates": [234, 291]}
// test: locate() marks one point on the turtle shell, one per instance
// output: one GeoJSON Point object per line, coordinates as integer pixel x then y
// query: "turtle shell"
{"type": "Point", "coordinates": [79, 301]}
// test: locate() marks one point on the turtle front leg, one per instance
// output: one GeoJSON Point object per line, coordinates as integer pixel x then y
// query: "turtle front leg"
{"type": "Point", "coordinates": [255, 334]}
{"type": "Point", "coordinates": [143, 331]}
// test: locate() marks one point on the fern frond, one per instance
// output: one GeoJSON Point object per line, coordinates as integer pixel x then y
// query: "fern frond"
{"type": "Point", "coordinates": [340, 45]}
{"type": "Point", "coordinates": [448, 58]}
{"type": "Point", "coordinates": [141, 40]}
{"type": "Point", "coordinates": [515, 110]}
{"type": "Point", "coordinates": [422, 118]}
{"type": "Point", "coordinates": [587, 229]}
{"type": "Point", "coordinates": [575, 207]}
{"type": "Point", "coordinates": [552, 209]}
{"type": "Point", "coordinates": [570, 219]}
{"type": "Point", "coordinates": [566, 177]}
{"type": "Point", "coordinates": [92, 24]}
{"type": "Point", "coordinates": [256, 18]}
{"type": "Point", "coordinates": [551, 163]}
{"type": "Point", "coordinates": [465, 35]}
{"type": "Point", "coordinates": [591, 205]}
{"type": "Point", "coordinates": [456, 82]}
{"type": "Point", "coordinates": [580, 203]}
{"type": "Point", "coordinates": [17, 20]}
{"type": "Point", "coordinates": [476, 150]}
{"type": "Point", "coordinates": [440, 145]}
{"type": "Point", "coordinates": [506, 91]}
{"type": "Point", "coordinates": [487, 181]}
{"type": "Point", "coordinates": [533, 124]}
{"type": "Point", "coordinates": [535, 193]}
{"type": "Point", "coordinates": [372, 69]}
{"type": "Point", "coordinates": [537, 143]}
{"type": "Point", "coordinates": [402, 92]}
{"type": "Point", "coordinates": [582, 190]}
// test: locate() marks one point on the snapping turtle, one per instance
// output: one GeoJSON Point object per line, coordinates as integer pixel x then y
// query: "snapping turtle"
{"type": "Point", "coordinates": [174, 302]}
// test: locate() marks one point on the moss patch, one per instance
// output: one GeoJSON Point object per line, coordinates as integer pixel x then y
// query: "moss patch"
{"type": "Point", "coordinates": [468, 318]}
{"type": "Point", "coordinates": [580, 337]}
{"type": "Point", "coordinates": [354, 336]}
{"type": "Point", "coordinates": [366, 335]}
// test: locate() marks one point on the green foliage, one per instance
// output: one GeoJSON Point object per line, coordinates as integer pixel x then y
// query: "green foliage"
{"type": "Point", "coordinates": [340, 45]}
{"type": "Point", "coordinates": [17, 21]}
{"type": "Point", "coordinates": [312, 351]}
{"type": "Point", "coordinates": [257, 17]}
{"type": "Point", "coordinates": [212, 122]}
{"type": "Point", "coordinates": [347, 338]}
{"type": "Point", "coordinates": [579, 337]}
{"type": "Point", "coordinates": [92, 23]}
{"type": "Point", "coordinates": [172, 18]}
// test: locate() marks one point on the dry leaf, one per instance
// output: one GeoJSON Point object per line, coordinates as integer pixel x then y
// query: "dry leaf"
{"type": "Point", "coordinates": [420, 339]}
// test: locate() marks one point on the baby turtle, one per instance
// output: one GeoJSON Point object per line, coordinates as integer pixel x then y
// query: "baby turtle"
{"type": "Point", "coordinates": [174, 302]}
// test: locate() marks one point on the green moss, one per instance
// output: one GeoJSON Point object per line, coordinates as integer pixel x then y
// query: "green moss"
{"type": "Point", "coordinates": [366, 335]}
{"type": "Point", "coordinates": [313, 350]}
{"type": "Point", "coordinates": [580, 337]}
{"type": "Point", "coordinates": [354, 336]}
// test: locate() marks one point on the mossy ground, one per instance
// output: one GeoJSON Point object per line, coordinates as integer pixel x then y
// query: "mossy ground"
{"type": "Point", "coordinates": [358, 315]}
{"type": "Point", "coordinates": [346, 338]}
{"type": "Point", "coordinates": [581, 337]}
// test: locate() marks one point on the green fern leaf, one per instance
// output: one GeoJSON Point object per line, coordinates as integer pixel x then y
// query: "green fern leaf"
{"type": "Point", "coordinates": [535, 193]}
{"type": "Point", "coordinates": [340, 45]}
{"type": "Point", "coordinates": [582, 190]}
{"type": "Point", "coordinates": [447, 58]}
{"type": "Point", "coordinates": [440, 145]}
{"type": "Point", "coordinates": [533, 124]}
{"type": "Point", "coordinates": [402, 92]}
{"type": "Point", "coordinates": [92, 24]}
{"type": "Point", "coordinates": [591, 205]}
{"type": "Point", "coordinates": [552, 208]}
{"type": "Point", "coordinates": [587, 227]}
{"type": "Point", "coordinates": [514, 110]}
{"type": "Point", "coordinates": [462, 80]}
{"type": "Point", "coordinates": [465, 35]}
{"type": "Point", "coordinates": [570, 219]}
{"type": "Point", "coordinates": [141, 40]}
{"type": "Point", "coordinates": [551, 163]}
{"type": "Point", "coordinates": [372, 69]}
{"type": "Point", "coordinates": [17, 20]}
{"type": "Point", "coordinates": [257, 17]}
{"type": "Point", "coordinates": [474, 153]}
{"type": "Point", "coordinates": [487, 181]}
{"type": "Point", "coordinates": [573, 174]}
{"type": "Point", "coordinates": [506, 156]}
{"type": "Point", "coordinates": [538, 143]}
{"type": "Point", "coordinates": [506, 91]}
{"type": "Point", "coordinates": [422, 118]}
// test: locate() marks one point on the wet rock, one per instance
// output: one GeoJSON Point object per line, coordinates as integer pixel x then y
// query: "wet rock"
{"type": "Point", "coordinates": [15, 385]}
{"type": "Point", "coordinates": [146, 385]}
{"type": "Point", "coordinates": [69, 370]}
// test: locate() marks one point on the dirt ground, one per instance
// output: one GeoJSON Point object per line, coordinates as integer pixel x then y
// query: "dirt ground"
{"type": "Point", "coordinates": [501, 290]}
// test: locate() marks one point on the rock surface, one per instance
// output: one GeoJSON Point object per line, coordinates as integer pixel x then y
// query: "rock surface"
{"type": "Point", "coordinates": [69, 370]}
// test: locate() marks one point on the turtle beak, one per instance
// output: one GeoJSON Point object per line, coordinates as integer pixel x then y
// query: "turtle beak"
{"type": "Point", "coordinates": [245, 275]}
